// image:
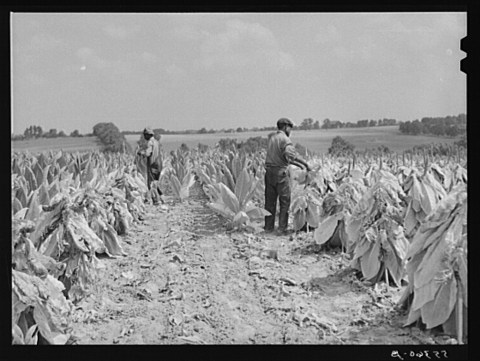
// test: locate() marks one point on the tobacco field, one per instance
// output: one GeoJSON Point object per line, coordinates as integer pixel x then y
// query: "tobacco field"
{"type": "Point", "coordinates": [378, 256]}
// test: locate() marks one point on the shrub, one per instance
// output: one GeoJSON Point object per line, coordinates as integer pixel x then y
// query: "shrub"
{"type": "Point", "coordinates": [340, 147]}
{"type": "Point", "coordinates": [111, 138]}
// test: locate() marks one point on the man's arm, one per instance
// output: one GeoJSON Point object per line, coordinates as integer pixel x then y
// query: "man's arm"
{"type": "Point", "coordinates": [293, 158]}
{"type": "Point", "coordinates": [299, 162]}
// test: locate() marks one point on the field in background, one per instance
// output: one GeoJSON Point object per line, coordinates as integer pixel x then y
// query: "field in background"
{"type": "Point", "coordinates": [315, 140]}
{"type": "Point", "coordinates": [67, 144]}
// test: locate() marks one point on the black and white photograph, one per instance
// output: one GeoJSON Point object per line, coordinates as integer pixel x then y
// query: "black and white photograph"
{"type": "Point", "coordinates": [240, 178]}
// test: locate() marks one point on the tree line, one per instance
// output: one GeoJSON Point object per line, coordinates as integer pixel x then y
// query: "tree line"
{"type": "Point", "coordinates": [36, 131]}
{"type": "Point", "coordinates": [306, 124]}
{"type": "Point", "coordinates": [439, 126]}
{"type": "Point", "coordinates": [450, 126]}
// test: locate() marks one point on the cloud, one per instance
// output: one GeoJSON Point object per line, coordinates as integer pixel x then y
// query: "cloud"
{"type": "Point", "coordinates": [89, 58]}
{"type": "Point", "coordinates": [241, 45]}
{"type": "Point", "coordinates": [327, 35]}
{"type": "Point", "coordinates": [44, 42]}
{"type": "Point", "coordinates": [187, 32]}
{"type": "Point", "coordinates": [148, 57]}
{"type": "Point", "coordinates": [120, 32]}
{"type": "Point", "coordinates": [343, 53]}
{"type": "Point", "coordinates": [135, 67]}
{"type": "Point", "coordinates": [175, 70]}
{"type": "Point", "coordinates": [35, 79]}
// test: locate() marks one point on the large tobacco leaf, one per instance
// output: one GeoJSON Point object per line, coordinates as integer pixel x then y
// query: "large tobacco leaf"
{"type": "Point", "coordinates": [51, 311]}
{"type": "Point", "coordinates": [326, 228]}
{"type": "Point", "coordinates": [437, 262]}
{"type": "Point", "coordinates": [375, 235]}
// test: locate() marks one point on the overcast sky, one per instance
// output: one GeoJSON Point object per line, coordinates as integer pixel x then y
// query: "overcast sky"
{"type": "Point", "coordinates": [225, 70]}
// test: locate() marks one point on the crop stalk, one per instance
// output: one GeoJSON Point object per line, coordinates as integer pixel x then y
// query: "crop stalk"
{"type": "Point", "coordinates": [386, 279]}
{"type": "Point", "coordinates": [459, 311]}
{"type": "Point", "coordinates": [425, 162]}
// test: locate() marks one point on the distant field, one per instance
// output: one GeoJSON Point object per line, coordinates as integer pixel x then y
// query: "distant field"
{"type": "Point", "coordinates": [316, 140]}
{"type": "Point", "coordinates": [67, 144]}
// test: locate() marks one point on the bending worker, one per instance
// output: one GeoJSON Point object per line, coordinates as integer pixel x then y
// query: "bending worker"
{"type": "Point", "coordinates": [280, 153]}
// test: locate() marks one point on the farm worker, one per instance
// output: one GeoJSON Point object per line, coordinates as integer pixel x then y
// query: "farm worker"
{"type": "Point", "coordinates": [154, 165]}
{"type": "Point", "coordinates": [280, 153]}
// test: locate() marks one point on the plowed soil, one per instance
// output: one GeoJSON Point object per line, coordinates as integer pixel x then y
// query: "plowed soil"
{"type": "Point", "coordinates": [187, 280]}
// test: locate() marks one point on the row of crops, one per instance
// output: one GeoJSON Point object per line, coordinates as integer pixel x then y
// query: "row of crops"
{"type": "Point", "coordinates": [398, 222]}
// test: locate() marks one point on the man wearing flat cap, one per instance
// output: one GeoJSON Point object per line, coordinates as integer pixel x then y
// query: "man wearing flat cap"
{"type": "Point", "coordinates": [154, 164]}
{"type": "Point", "coordinates": [280, 153]}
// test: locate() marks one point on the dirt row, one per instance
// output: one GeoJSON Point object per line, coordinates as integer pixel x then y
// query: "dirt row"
{"type": "Point", "coordinates": [186, 280]}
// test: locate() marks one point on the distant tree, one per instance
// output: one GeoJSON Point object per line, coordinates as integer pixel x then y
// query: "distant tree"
{"type": "Point", "coordinates": [75, 133]}
{"type": "Point", "coordinates": [202, 131]}
{"type": "Point", "coordinates": [316, 125]}
{"type": "Point", "coordinates": [416, 127]}
{"type": "Point", "coordinates": [38, 131]}
{"type": "Point", "coordinates": [33, 131]}
{"type": "Point", "coordinates": [404, 127]}
{"type": "Point", "coordinates": [326, 123]}
{"type": "Point", "coordinates": [389, 122]}
{"type": "Point", "coordinates": [452, 131]}
{"type": "Point", "coordinates": [239, 129]}
{"type": "Point", "coordinates": [61, 134]}
{"type": "Point", "coordinates": [336, 124]}
{"type": "Point", "coordinates": [52, 133]}
{"type": "Point", "coordinates": [412, 128]}
{"type": "Point", "coordinates": [17, 137]}
{"type": "Point", "coordinates": [28, 133]}
{"type": "Point", "coordinates": [438, 129]}
{"type": "Point", "coordinates": [307, 124]}
{"type": "Point", "coordinates": [340, 147]}
{"type": "Point", "coordinates": [372, 123]}
{"type": "Point", "coordinates": [438, 126]}
{"type": "Point", "coordinates": [362, 123]}
{"type": "Point", "coordinates": [111, 138]}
